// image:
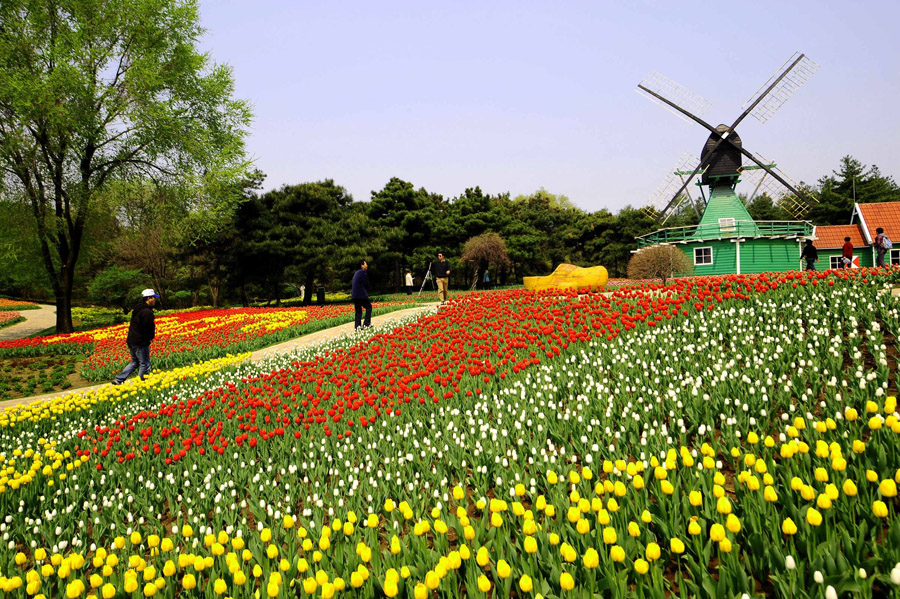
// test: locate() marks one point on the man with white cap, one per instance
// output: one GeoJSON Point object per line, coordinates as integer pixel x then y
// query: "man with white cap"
{"type": "Point", "coordinates": [141, 332]}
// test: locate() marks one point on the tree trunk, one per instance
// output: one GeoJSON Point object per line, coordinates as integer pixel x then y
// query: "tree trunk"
{"type": "Point", "coordinates": [214, 292]}
{"type": "Point", "coordinates": [309, 290]}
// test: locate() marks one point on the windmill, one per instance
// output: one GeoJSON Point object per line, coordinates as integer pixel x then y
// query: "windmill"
{"type": "Point", "coordinates": [721, 160]}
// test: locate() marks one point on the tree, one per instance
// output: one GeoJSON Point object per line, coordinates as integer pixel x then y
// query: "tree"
{"type": "Point", "coordinates": [314, 234]}
{"type": "Point", "coordinates": [853, 183]}
{"type": "Point", "coordinates": [97, 90]}
{"type": "Point", "coordinates": [659, 262]}
{"type": "Point", "coordinates": [488, 250]}
{"type": "Point", "coordinates": [402, 217]}
{"type": "Point", "coordinates": [763, 208]}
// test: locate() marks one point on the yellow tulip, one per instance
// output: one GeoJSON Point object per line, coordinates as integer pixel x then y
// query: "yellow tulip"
{"type": "Point", "coordinates": [566, 581]}
{"type": "Point", "coordinates": [484, 584]}
{"type": "Point", "coordinates": [813, 517]}
{"type": "Point", "coordinates": [525, 583]}
{"type": "Point", "coordinates": [503, 569]}
{"type": "Point", "coordinates": [641, 566]}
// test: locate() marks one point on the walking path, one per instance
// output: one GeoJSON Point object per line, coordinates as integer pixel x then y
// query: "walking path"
{"type": "Point", "coordinates": [262, 354]}
{"type": "Point", "coordinates": [35, 322]}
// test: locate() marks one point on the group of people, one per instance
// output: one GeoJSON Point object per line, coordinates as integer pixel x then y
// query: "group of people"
{"type": "Point", "coordinates": [881, 243]}
{"type": "Point", "coordinates": [359, 292]}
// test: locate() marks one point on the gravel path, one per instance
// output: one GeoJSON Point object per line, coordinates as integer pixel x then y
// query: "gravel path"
{"type": "Point", "coordinates": [259, 355]}
{"type": "Point", "coordinates": [35, 322]}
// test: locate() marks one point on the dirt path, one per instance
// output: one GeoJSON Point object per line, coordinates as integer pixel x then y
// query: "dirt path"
{"type": "Point", "coordinates": [259, 355]}
{"type": "Point", "coordinates": [35, 322]}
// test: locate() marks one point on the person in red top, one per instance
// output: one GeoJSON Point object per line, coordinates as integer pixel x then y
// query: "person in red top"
{"type": "Point", "coordinates": [847, 253]}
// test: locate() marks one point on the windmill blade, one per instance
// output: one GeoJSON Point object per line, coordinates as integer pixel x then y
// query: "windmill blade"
{"type": "Point", "coordinates": [792, 197]}
{"type": "Point", "coordinates": [790, 77]}
{"type": "Point", "coordinates": [662, 204]}
{"type": "Point", "coordinates": [673, 96]}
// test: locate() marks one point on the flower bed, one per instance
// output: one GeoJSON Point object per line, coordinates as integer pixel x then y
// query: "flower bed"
{"type": "Point", "coordinates": [8, 304]}
{"type": "Point", "coordinates": [9, 317]}
{"type": "Point", "coordinates": [188, 336]}
{"type": "Point", "coordinates": [713, 437]}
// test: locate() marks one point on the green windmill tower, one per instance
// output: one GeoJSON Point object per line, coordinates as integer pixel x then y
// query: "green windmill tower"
{"type": "Point", "coordinates": [727, 239]}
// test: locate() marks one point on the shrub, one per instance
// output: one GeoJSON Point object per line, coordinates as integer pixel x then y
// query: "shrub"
{"type": "Point", "coordinates": [659, 262]}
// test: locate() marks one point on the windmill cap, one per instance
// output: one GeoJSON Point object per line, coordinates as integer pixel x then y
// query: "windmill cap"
{"type": "Point", "coordinates": [149, 293]}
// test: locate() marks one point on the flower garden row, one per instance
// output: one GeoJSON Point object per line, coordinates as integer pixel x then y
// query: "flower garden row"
{"type": "Point", "coordinates": [711, 438]}
{"type": "Point", "coordinates": [17, 305]}
{"type": "Point", "coordinates": [8, 317]}
{"type": "Point", "coordinates": [188, 336]}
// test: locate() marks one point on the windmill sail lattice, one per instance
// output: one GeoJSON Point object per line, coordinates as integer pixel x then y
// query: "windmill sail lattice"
{"type": "Point", "coordinates": [660, 199]}
{"type": "Point", "coordinates": [781, 93]}
{"type": "Point", "coordinates": [671, 90]}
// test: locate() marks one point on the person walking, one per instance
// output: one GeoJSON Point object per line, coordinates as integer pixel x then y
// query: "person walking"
{"type": "Point", "coordinates": [441, 270]}
{"type": "Point", "coordinates": [487, 279]}
{"type": "Point", "coordinates": [360, 295]}
{"type": "Point", "coordinates": [409, 282]}
{"type": "Point", "coordinates": [810, 254]}
{"type": "Point", "coordinates": [141, 331]}
{"type": "Point", "coordinates": [881, 244]}
{"type": "Point", "coordinates": [847, 253]}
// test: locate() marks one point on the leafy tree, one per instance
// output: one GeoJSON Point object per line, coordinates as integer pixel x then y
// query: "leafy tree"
{"type": "Point", "coordinates": [120, 287]}
{"type": "Point", "coordinates": [763, 208]}
{"type": "Point", "coordinates": [659, 262]}
{"type": "Point", "coordinates": [487, 250]}
{"type": "Point", "coordinates": [313, 233]}
{"type": "Point", "coordinates": [403, 218]}
{"type": "Point", "coordinates": [97, 90]}
{"type": "Point", "coordinates": [852, 183]}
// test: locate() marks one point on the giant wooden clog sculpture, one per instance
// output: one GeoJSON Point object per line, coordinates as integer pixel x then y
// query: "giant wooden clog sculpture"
{"type": "Point", "coordinates": [569, 276]}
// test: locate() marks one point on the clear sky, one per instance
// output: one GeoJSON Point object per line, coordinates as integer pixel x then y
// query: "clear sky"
{"type": "Point", "coordinates": [518, 95]}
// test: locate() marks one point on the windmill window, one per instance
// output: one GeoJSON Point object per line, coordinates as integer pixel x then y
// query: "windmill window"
{"type": "Point", "coordinates": [895, 257]}
{"type": "Point", "coordinates": [703, 256]}
{"type": "Point", "coordinates": [726, 225]}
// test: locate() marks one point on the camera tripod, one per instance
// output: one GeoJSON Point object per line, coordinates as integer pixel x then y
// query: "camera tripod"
{"type": "Point", "coordinates": [425, 280]}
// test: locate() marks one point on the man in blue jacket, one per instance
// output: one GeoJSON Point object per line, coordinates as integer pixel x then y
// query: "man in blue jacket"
{"type": "Point", "coordinates": [141, 332]}
{"type": "Point", "coordinates": [360, 295]}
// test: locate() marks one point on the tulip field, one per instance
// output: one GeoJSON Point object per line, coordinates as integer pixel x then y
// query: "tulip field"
{"type": "Point", "coordinates": [187, 336]}
{"type": "Point", "coordinates": [716, 437]}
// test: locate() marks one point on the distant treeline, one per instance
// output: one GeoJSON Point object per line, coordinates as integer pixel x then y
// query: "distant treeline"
{"type": "Point", "coordinates": [313, 234]}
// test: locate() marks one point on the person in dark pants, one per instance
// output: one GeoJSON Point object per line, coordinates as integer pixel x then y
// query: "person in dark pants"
{"type": "Point", "coordinates": [810, 254]}
{"type": "Point", "coordinates": [880, 247]}
{"type": "Point", "coordinates": [141, 332]}
{"type": "Point", "coordinates": [847, 254]}
{"type": "Point", "coordinates": [409, 282]}
{"type": "Point", "coordinates": [360, 295]}
{"type": "Point", "coordinates": [441, 272]}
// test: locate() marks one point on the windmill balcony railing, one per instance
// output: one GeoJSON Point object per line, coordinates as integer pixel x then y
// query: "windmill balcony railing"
{"type": "Point", "coordinates": [741, 229]}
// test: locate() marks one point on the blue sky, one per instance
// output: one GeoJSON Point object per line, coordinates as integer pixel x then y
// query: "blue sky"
{"type": "Point", "coordinates": [515, 96]}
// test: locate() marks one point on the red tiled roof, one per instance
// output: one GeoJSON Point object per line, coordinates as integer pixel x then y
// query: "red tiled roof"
{"type": "Point", "coordinates": [832, 236]}
{"type": "Point", "coordinates": [881, 214]}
